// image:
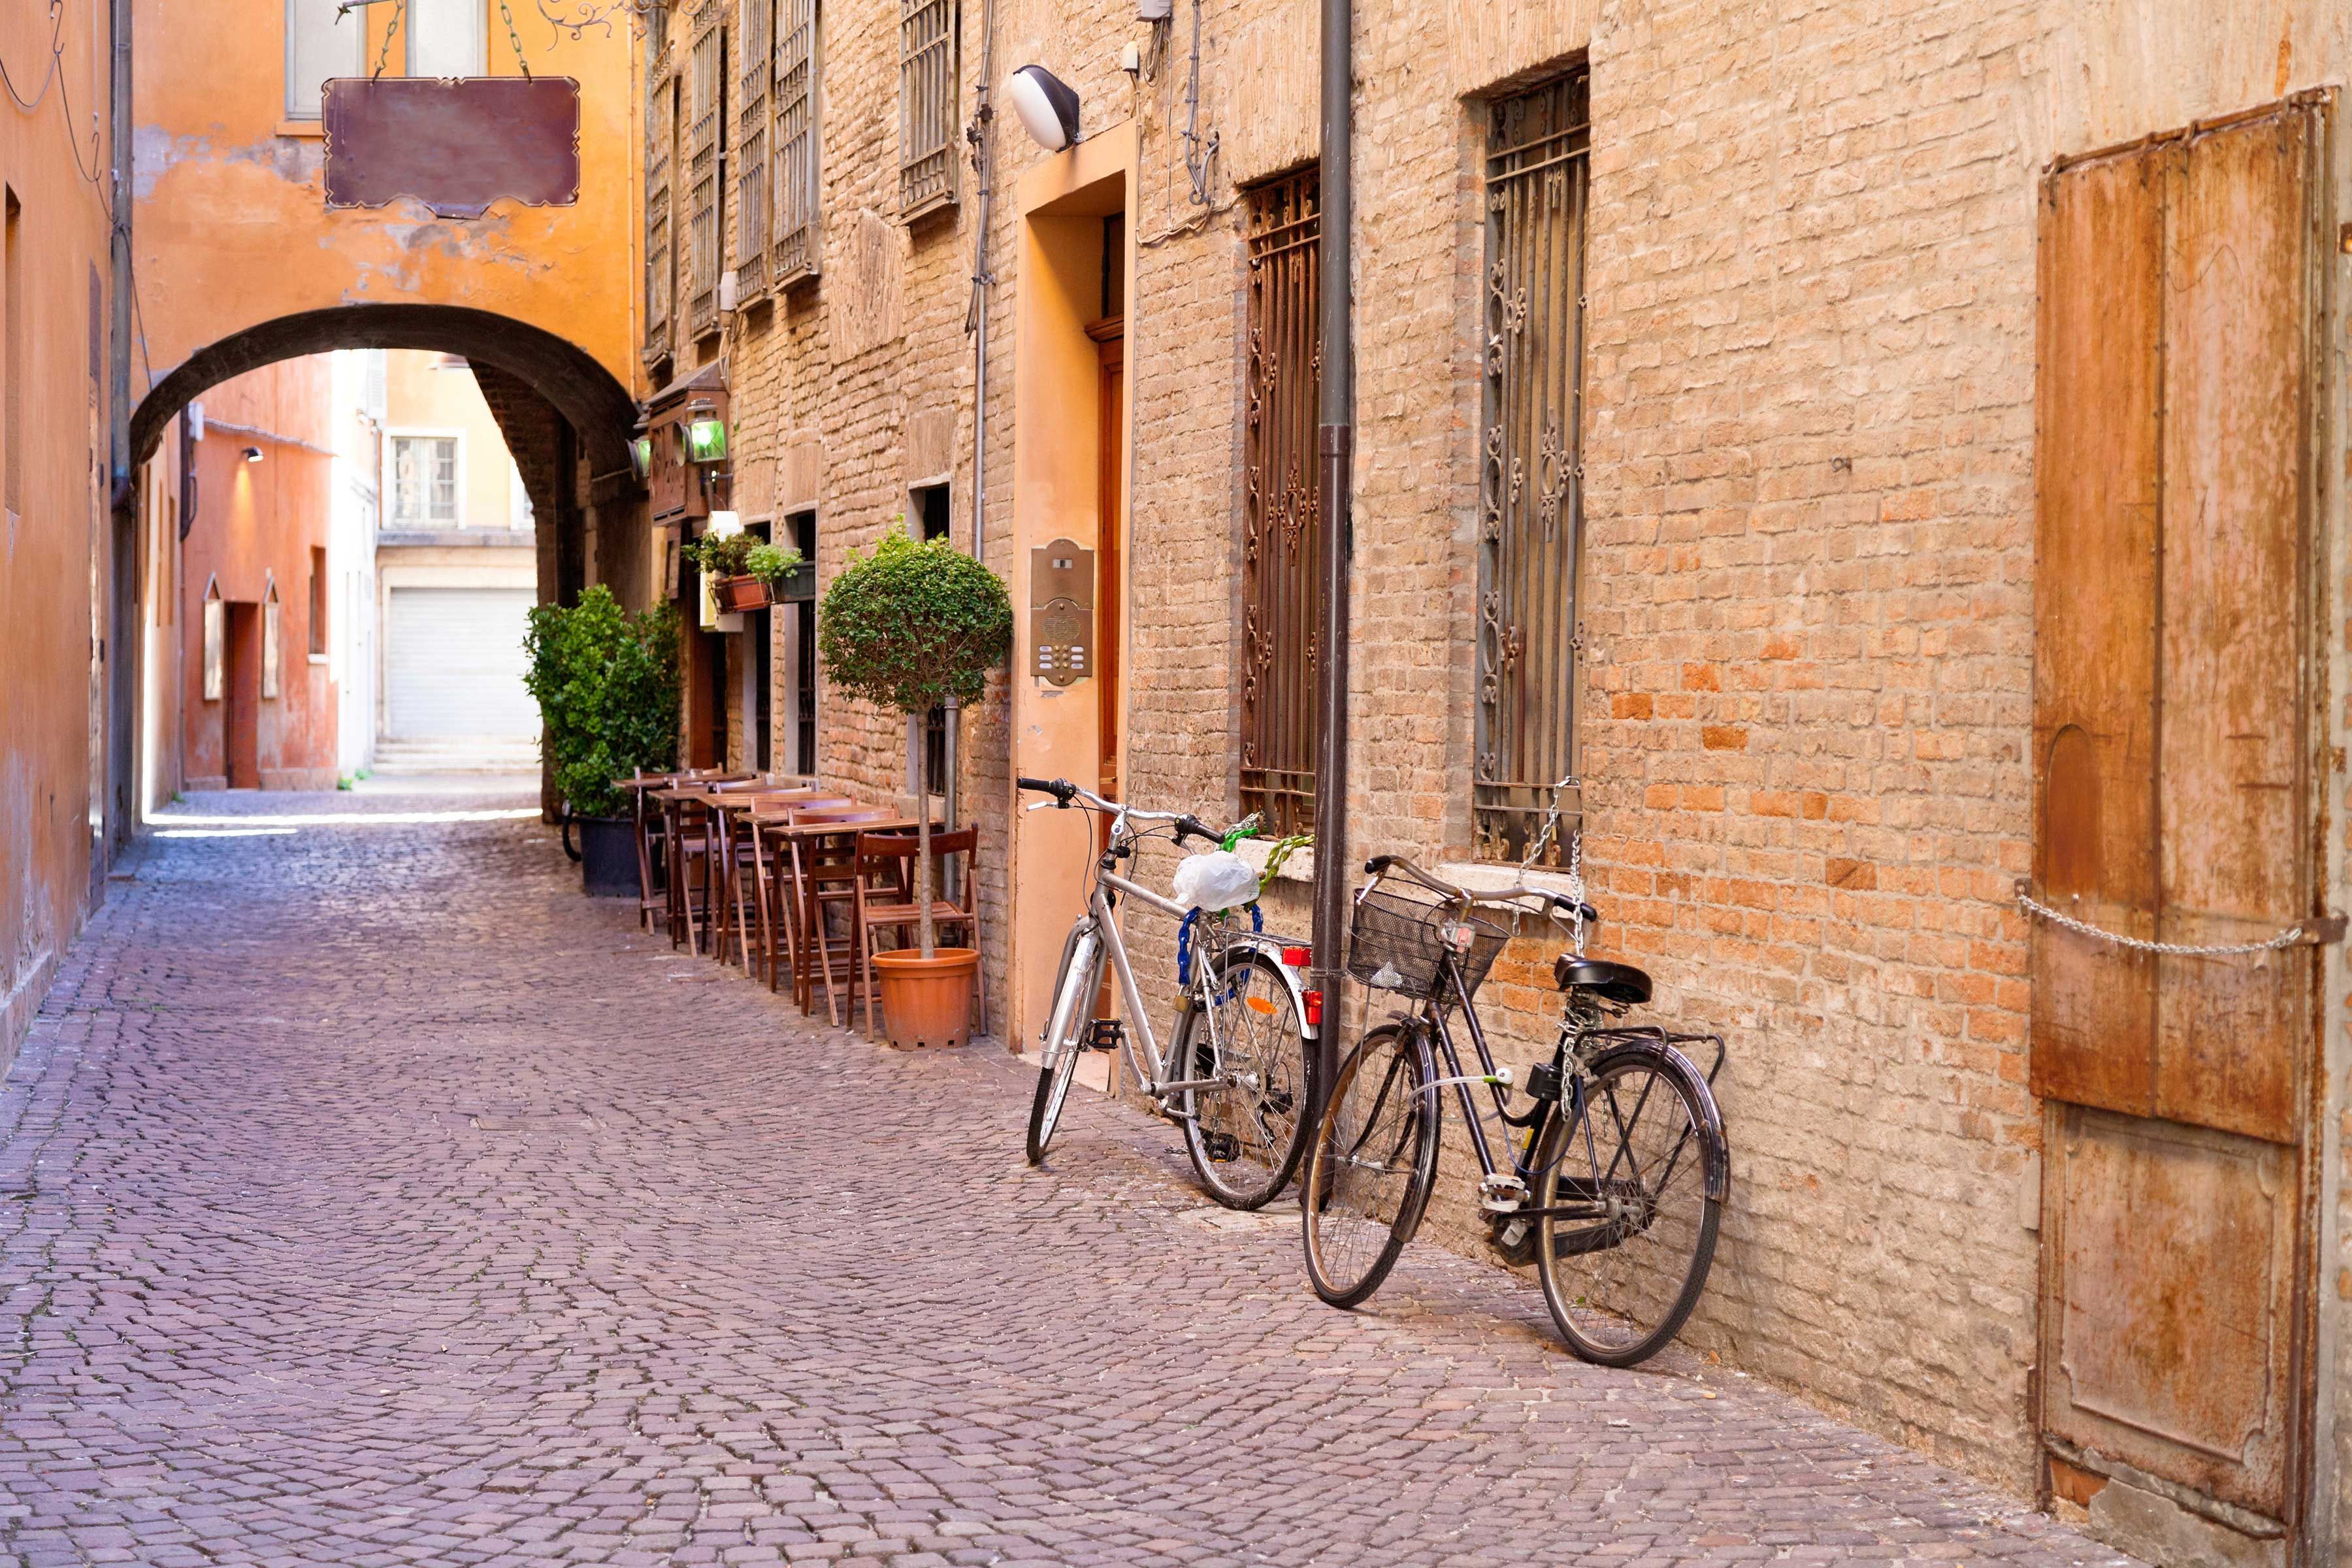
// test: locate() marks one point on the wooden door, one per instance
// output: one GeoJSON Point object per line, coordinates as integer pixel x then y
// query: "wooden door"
{"type": "Point", "coordinates": [2175, 724]}
{"type": "Point", "coordinates": [1110, 570]}
{"type": "Point", "coordinates": [241, 713]}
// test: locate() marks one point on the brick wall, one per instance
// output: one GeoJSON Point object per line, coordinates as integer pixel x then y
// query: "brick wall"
{"type": "Point", "coordinates": [1807, 560]}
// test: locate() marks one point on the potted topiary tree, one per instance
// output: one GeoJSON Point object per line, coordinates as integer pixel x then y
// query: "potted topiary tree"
{"type": "Point", "coordinates": [907, 626]}
{"type": "Point", "coordinates": [607, 687]}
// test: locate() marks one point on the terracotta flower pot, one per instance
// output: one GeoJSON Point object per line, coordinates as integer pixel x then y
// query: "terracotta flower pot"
{"type": "Point", "coordinates": [738, 594]}
{"type": "Point", "coordinates": [927, 1001]}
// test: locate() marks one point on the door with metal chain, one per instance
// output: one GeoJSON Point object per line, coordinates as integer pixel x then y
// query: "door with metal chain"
{"type": "Point", "coordinates": [2177, 700]}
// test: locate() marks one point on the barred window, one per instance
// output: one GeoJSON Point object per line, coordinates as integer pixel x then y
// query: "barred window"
{"type": "Point", "coordinates": [1531, 470]}
{"type": "Point", "coordinates": [702, 171]}
{"type": "Point", "coordinates": [755, 45]}
{"type": "Point", "coordinates": [797, 250]}
{"type": "Point", "coordinates": [926, 105]}
{"type": "Point", "coordinates": [1282, 555]}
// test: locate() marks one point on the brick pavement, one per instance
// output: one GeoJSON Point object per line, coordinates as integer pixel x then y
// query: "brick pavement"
{"type": "Point", "coordinates": [368, 1197]}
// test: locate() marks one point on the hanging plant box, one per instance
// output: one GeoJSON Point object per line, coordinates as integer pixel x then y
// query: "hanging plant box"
{"type": "Point", "coordinates": [736, 594]}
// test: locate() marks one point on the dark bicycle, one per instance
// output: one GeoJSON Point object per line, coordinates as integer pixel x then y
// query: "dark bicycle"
{"type": "Point", "coordinates": [1617, 1189]}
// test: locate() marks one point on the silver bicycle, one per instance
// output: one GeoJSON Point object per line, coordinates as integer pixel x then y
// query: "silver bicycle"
{"type": "Point", "coordinates": [1234, 1076]}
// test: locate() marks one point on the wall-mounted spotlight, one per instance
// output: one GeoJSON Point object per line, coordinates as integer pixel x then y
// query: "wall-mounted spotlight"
{"type": "Point", "coordinates": [1047, 106]}
{"type": "Point", "coordinates": [641, 456]}
{"type": "Point", "coordinates": [253, 454]}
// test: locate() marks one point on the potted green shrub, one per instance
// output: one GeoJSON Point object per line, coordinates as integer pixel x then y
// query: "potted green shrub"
{"type": "Point", "coordinates": [909, 626]}
{"type": "Point", "coordinates": [745, 571]}
{"type": "Point", "coordinates": [607, 687]}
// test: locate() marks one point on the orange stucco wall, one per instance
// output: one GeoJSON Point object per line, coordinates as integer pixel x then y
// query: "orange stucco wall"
{"type": "Point", "coordinates": [256, 523]}
{"type": "Point", "coordinates": [53, 537]}
{"type": "Point", "coordinates": [232, 224]}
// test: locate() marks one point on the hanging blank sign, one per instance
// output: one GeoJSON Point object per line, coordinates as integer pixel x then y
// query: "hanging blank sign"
{"type": "Point", "coordinates": [457, 144]}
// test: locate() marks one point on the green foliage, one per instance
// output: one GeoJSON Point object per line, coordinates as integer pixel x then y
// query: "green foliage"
{"type": "Point", "coordinates": [607, 686]}
{"type": "Point", "coordinates": [907, 626]}
{"type": "Point", "coordinates": [771, 563]}
{"type": "Point", "coordinates": [722, 554]}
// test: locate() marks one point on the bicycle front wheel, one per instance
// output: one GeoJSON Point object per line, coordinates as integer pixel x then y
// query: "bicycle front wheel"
{"type": "Point", "coordinates": [1065, 1037]}
{"type": "Point", "coordinates": [1244, 1136]}
{"type": "Point", "coordinates": [1637, 1178]}
{"type": "Point", "coordinates": [1374, 1160]}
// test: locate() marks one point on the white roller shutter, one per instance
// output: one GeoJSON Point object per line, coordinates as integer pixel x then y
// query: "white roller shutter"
{"type": "Point", "coordinates": [454, 663]}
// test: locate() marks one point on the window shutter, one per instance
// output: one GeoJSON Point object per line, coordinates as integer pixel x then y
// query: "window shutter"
{"type": "Point", "coordinates": [661, 147]}
{"type": "Point", "coordinates": [797, 250]}
{"type": "Point", "coordinates": [755, 38]}
{"type": "Point", "coordinates": [927, 106]}
{"type": "Point", "coordinates": [702, 171]}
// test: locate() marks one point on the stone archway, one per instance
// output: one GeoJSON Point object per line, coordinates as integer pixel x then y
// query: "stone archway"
{"type": "Point", "coordinates": [567, 420]}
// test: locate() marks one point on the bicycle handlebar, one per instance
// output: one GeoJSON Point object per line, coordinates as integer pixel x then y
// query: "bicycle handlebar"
{"type": "Point", "coordinates": [1064, 792]}
{"type": "Point", "coordinates": [1381, 865]}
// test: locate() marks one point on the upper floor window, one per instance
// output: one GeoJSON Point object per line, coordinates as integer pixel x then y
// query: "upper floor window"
{"type": "Point", "coordinates": [926, 105]}
{"type": "Point", "coordinates": [446, 37]}
{"type": "Point", "coordinates": [1531, 463]}
{"type": "Point", "coordinates": [317, 48]}
{"type": "Point", "coordinates": [424, 480]}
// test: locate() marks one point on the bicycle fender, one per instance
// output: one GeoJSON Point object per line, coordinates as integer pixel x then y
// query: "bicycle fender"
{"type": "Point", "coordinates": [1270, 948]}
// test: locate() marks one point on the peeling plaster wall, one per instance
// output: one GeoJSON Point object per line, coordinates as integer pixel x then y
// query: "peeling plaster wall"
{"type": "Point", "coordinates": [53, 542]}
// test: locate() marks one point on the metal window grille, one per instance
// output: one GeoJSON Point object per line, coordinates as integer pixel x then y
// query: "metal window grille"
{"type": "Point", "coordinates": [1531, 475]}
{"type": "Point", "coordinates": [1281, 553]}
{"type": "Point", "coordinates": [755, 41]}
{"type": "Point", "coordinates": [702, 171]}
{"type": "Point", "coordinates": [661, 145]}
{"type": "Point", "coordinates": [796, 251]}
{"type": "Point", "coordinates": [926, 105]}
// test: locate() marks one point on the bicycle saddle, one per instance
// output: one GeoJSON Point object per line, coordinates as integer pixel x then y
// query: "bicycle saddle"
{"type": "Point", "coordinates": [1619, 982]}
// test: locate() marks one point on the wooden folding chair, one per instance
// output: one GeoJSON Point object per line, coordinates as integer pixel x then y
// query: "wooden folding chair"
{"type": "Point", "coordinates": [828, 875]}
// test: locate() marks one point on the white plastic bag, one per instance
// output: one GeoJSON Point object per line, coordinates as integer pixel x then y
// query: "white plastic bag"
{"type": "Point", "coordinates": [1219, 880]}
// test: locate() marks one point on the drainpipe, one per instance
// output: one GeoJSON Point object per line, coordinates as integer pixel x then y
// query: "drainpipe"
{"type": "Point", "coordinates": [976, 322]}
{"type": "Point", "coordinates": [123, 652]}
{"type": "Point", "coordinates": [1336, 441]}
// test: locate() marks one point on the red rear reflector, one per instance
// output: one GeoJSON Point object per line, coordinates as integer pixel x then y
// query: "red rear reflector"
{"type": "Point", "coordinates": [1314, 1008]}
{"type": "Point", "coordinates": [1297, 957]}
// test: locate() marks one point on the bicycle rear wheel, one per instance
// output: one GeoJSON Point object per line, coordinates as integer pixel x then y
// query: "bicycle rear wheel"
{"type": "Point", "coordinates": [1245, 1137]}
{"type": "Point", "coordinates": [1374, 1160]}
{"type": "Point", "coordinates": [1644, 1166]}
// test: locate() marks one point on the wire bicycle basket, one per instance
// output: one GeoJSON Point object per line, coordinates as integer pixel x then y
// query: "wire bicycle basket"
{"type": "Point", "coordinates": [1397, 943]}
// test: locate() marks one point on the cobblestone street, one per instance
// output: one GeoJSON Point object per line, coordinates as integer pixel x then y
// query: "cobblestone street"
{"type": "Point", "coordinates": [369, 1197]}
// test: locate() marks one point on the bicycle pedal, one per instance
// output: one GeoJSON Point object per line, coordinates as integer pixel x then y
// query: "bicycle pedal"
{"type": "Point", "coordinates": [1222, 1147]}
{"type": "Point", "coordinates": [1105, 1033]}
{"type": "Point", "coordinates": [1502, 1195]}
